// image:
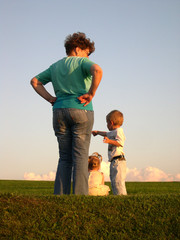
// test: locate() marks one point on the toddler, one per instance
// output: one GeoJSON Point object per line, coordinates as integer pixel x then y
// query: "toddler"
{"type": "Point", "coordinates": [96, 178]}
{"type": "Point", "coordinates": [115, 139]}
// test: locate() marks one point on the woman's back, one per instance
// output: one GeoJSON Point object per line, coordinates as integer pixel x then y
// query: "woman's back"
{"type": "Point", "coordinates": [71, 76]}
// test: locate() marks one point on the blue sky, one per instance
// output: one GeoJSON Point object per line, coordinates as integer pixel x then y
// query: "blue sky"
{"type": "Point", "coordinates": [137, 46]}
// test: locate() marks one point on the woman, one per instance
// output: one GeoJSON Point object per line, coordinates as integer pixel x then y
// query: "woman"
{"type": "Point", "coordinates": [75, 80]}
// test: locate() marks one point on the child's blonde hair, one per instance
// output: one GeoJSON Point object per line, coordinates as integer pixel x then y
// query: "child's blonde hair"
{"type": "Point", "coordinates": [94, 161]}
{"type": "Point", "coordinates": [96, 154]}
{"type": "Point", "coordinates": [116, 117]}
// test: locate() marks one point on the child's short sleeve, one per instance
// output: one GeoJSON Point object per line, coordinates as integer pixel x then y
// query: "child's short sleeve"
{"type": "Point", "coordinates": [120, 138]}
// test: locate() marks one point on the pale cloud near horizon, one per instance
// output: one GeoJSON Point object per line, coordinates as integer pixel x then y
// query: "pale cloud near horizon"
{"type": "Point", "coordinates": [43, 177]}
{"type": "Point", "coordinates": [148, 174]}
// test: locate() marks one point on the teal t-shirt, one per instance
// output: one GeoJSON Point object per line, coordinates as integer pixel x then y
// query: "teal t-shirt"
{"type": "Point", "coordinates": [70, 78]}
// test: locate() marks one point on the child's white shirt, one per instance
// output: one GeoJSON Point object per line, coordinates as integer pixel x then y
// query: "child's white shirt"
{"type": "Point", "coordinates": [117, 135]}
{"type": "Point", "coordinates": [96, 188]}
{"type": "Point", "coordinates": [95, 178]}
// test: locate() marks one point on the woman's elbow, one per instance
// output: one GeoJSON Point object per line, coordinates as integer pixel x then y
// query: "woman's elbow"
{"type": "Point", "coordinates": [34, 82]}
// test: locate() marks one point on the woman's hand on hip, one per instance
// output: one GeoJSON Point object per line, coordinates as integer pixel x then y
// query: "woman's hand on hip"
{"type": "Point", "coordinates": [85, 98]}
{"type": "Point", "coordinates": [53, 100]}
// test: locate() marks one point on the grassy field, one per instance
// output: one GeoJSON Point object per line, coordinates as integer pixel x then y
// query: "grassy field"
{"type": "Point", "coordinates": [28, 210]}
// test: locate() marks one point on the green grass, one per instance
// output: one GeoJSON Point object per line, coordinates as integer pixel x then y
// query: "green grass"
{"type": "Point", "coordinates": [40, 188]}
{"type": "Point", "coordinates": [28, 210]}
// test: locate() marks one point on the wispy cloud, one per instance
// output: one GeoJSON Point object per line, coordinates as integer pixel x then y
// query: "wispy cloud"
{"type": "Point", "coordinates": [148, 174]}
{"type": "Point", "coordinates": [44, 177]}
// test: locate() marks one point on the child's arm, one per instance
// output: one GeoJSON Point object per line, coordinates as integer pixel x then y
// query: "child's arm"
{"type": "Point", "coordinates": [112, 142]}
{"type": "Point", "coordinates": [102, 178]}
{"type": "Point", "coordinates": [95, 133]}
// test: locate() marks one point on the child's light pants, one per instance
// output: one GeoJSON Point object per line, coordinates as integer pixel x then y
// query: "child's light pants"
{"type": "Point", "coordinates": [118, 176]}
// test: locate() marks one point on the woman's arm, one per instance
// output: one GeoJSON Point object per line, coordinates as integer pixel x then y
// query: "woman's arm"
{"type": "Point", "coordinates": [40, 89]}
{"type": "Point", "coordinates": [97, 73]}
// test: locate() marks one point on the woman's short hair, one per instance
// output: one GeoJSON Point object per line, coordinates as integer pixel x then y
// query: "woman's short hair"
{"type": "Point", "coordinates": [115, 116]}
{"type": "Point", "coordinates": [78, 40]}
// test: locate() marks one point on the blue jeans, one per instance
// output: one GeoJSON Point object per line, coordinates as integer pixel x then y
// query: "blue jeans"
{"type": "Point", "coordinates": [118, 176]}
{"type": "Point", "coordinates": [73, 130]}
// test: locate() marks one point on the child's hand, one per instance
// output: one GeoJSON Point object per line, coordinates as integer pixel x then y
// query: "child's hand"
{"type": "Point", "coordinates": [106, 140]}
{"type": "Point", "coordinates": [94, 133]}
